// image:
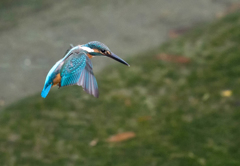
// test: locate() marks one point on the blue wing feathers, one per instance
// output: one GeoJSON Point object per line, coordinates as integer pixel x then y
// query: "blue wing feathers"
{"type": "Point", "coordinates": [71, 70]}
{"type": "Point", "coordinates": [71, 79]}
{"type": "Point", "coordinates": [77, 70]}
{"type": "Point", "coordinates": [74, 69]}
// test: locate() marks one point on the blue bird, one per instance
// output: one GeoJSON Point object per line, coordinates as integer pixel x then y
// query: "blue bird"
{"type": "Point", "coordinates": [75, 68]}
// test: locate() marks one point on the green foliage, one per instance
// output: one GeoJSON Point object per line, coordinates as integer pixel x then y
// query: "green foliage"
{"type": "Point", "coordinates": [190, 124]}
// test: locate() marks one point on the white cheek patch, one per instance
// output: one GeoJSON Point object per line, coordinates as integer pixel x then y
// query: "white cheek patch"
{"type": "Point", "coordinates": [87, 49]}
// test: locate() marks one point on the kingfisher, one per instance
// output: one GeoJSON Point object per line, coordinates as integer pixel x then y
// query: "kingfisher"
{"type": "Point", "coordinates": [75, 68]}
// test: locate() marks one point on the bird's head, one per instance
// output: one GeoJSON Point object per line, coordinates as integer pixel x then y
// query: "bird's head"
{"type": "Point", "coordinates": [95, 48]}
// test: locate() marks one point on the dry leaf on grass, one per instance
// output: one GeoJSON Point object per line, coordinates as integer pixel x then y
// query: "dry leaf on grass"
{"type": "Point", "coordinates": [226, 93]}
{"type": "Point", "coordinates": [121, 137]}
{"type": "Point", "coordinates": [93, 142]}
{"type": "Point", "coordinates": [173, 58]}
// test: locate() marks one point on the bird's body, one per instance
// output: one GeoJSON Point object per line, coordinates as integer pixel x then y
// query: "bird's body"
{"type": "Point", "coordinates": [75, 68]}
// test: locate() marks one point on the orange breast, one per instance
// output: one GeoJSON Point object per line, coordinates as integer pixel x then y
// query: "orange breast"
{"type": "Point", "coordinates": [57, 79]}
{"type": "Point", "coordinates": [89, 56]}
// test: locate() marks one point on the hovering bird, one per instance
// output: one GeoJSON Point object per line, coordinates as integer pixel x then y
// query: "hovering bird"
{"type": "Point", "coordinates": [75, 68]}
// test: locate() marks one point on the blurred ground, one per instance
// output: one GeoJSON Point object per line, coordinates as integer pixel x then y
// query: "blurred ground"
{"type": "Point", "coordinates": [31, 45]}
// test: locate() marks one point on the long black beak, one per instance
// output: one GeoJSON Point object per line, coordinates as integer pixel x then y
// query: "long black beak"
{"type": "Point", "coordinates": [115, 57]}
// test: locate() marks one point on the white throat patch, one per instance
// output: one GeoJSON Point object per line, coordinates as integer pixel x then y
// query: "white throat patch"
{"type": "Point", "coordinates": [87, 49]}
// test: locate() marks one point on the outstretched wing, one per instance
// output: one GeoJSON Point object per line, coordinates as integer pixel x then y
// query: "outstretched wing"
{"type": "Point", "coordinates": [87, 79]}
{"type": "Point", "coordinates": [77, 70]}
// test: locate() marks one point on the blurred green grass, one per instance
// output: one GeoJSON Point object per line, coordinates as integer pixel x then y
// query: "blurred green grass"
{"type": "Point", "coordinates": [190, 124]}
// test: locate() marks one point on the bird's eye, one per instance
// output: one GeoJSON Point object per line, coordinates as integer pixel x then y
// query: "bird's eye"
{"type": "Point", "coordinates": [103, 51]}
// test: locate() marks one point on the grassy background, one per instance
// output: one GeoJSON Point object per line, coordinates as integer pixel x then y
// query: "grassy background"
{"type": "Point", "coordinates": [175, 109]}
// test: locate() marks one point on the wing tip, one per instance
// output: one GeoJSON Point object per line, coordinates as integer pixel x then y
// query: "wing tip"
{"type": "Point", "coordinates": [96, 94]}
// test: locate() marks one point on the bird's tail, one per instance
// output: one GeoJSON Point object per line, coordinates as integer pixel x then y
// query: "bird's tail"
{"type": "Point", "coordinates": [46, 90]}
